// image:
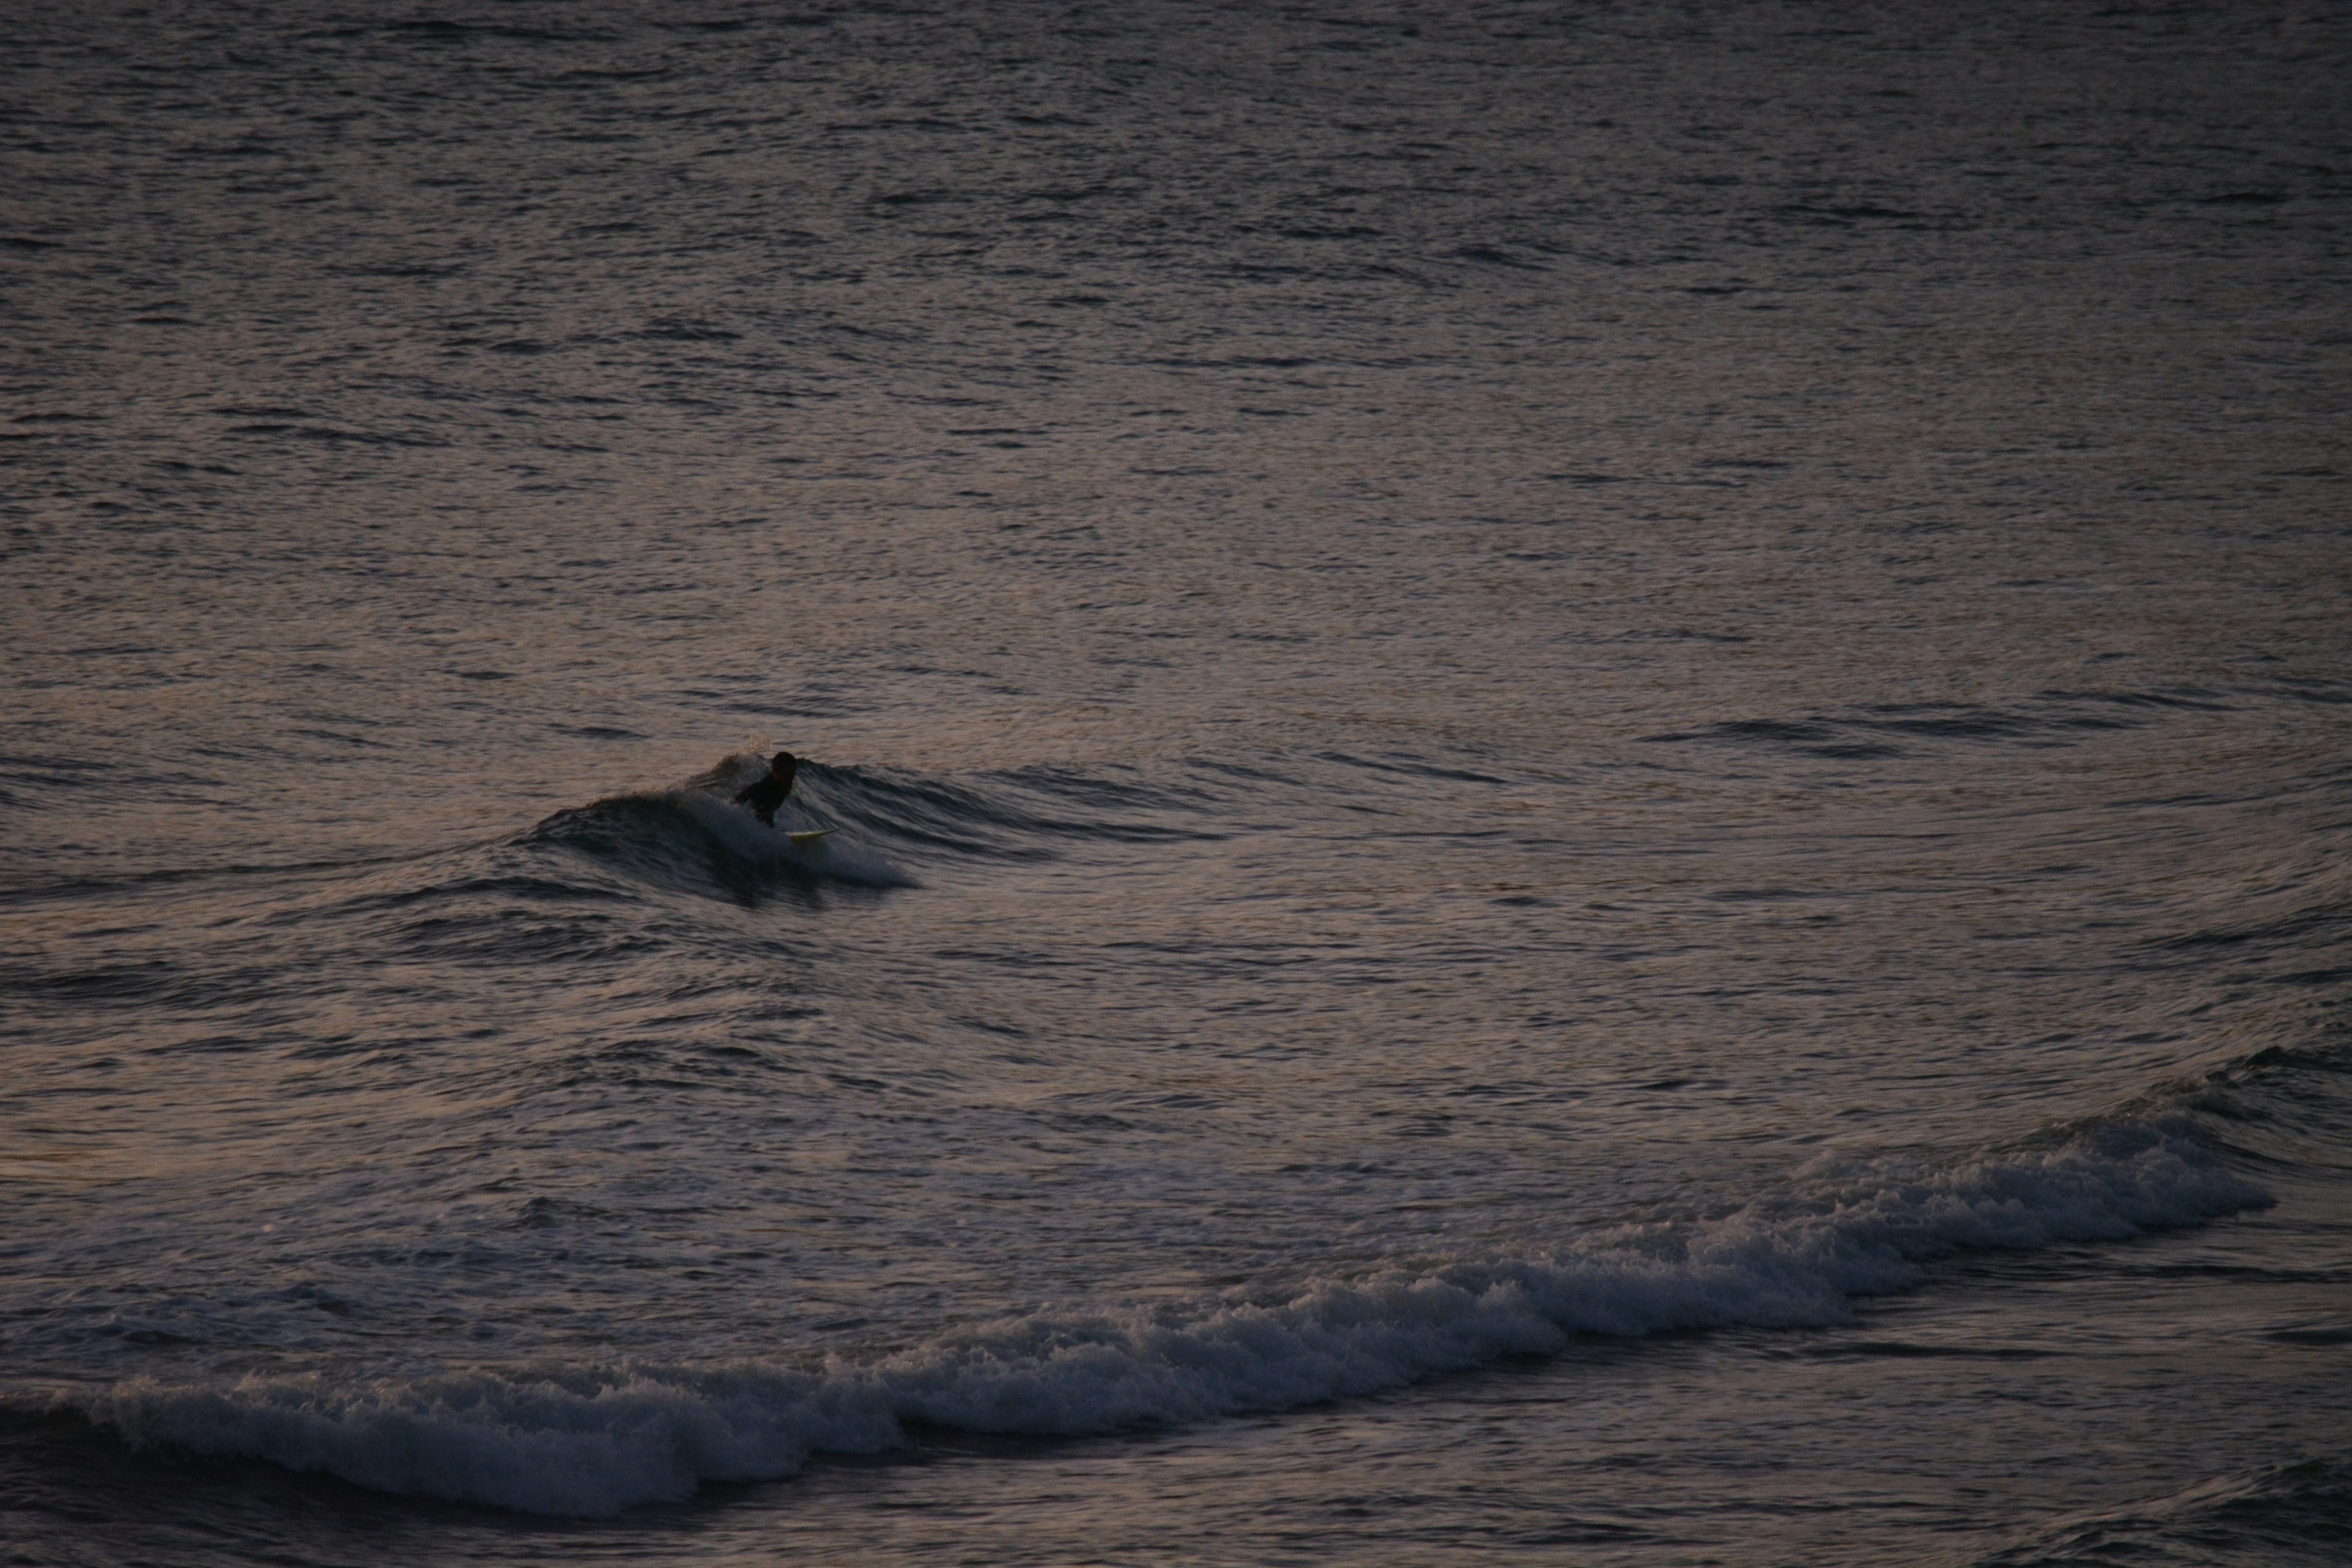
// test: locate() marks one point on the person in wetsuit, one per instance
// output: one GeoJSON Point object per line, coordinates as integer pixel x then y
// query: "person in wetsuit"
{"type": "Point", "coordinates": [764, 794]}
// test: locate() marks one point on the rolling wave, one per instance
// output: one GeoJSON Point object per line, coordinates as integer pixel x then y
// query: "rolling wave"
{"type": "Point", "coordinates": [693, 834]}
{"type": "Point", "coordinates": [591, 1441]}
{"type": "Point", "coordinates": [885, 816]}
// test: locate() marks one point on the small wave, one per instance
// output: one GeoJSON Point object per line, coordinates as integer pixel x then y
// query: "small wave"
{"type": "Point", "coordinates": [1030, 814]}
{"type": "Point", "coordinates": [754, 842]}
{"type": "Point", "coordinates": [1021, 815]}
{"type": "Point", "coordinates": [593, 1441]}
{"type": "Point", "coordinates": [2277, 1516]}
{"type": "Point", "coordinates": [1895, 730]}
{"type": "Point", "coordinates": [693, 835]}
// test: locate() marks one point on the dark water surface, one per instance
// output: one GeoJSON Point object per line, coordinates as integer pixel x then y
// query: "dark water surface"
{"type": "Point", "coordinates": [1592, 766]}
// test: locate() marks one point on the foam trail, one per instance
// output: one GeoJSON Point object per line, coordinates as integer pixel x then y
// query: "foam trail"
{"type": "Point", "coordinates": [592, 1442]}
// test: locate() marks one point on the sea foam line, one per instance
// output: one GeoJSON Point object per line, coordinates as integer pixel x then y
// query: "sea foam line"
{"type": "Point", "coordinates": [591, 1442]}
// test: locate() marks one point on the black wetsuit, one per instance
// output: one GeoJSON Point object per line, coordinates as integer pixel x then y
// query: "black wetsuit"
{"type": "Point", "coordinates": [766, 793]}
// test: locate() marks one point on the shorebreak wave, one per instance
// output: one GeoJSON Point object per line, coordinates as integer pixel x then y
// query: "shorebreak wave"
{"type": "Point", "coordinates": [593, 1441]}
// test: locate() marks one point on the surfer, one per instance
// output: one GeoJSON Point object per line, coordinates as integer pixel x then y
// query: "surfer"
{"type": "Point", "coordinates": [766, 793]}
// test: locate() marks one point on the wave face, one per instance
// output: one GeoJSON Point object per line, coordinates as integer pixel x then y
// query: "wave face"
{"type": "Point", "coordinates": [693, 836]}
{"type": "Point", "coordinates": [593, 1441]}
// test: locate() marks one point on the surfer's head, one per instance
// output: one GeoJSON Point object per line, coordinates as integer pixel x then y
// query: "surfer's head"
{"type": "Point", "coordinates": [783, 765]}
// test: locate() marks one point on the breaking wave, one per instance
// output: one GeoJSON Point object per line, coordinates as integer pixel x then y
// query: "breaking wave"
{"type": "Point", "coordinates": [693, 832]}
{"type": "Point", "coordinates": [592, 1441]}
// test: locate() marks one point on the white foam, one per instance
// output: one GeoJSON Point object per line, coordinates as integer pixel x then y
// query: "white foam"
{"type": "Point", "coordinates": [595, 1441]}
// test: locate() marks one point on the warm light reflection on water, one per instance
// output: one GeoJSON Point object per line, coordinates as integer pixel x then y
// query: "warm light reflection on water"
{"type": "Point", "coordinates": [1517, 709]}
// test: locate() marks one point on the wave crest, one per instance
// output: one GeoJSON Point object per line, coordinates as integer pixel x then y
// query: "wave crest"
{"type": "Point", "coordinates": [592, 1441]}
{"type": "Point", "coordinates": [692, 836]}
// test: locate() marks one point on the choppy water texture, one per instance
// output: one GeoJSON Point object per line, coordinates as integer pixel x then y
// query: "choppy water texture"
{"type": "Point", "coordinates": [1592, 766]}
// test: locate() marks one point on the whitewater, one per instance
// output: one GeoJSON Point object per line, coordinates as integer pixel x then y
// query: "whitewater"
{"type": "Point", "coordinates": [593, 1441]}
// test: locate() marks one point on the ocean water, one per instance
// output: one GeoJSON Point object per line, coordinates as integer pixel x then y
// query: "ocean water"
{"type": "Point", "coordinates": [1592, 763]}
